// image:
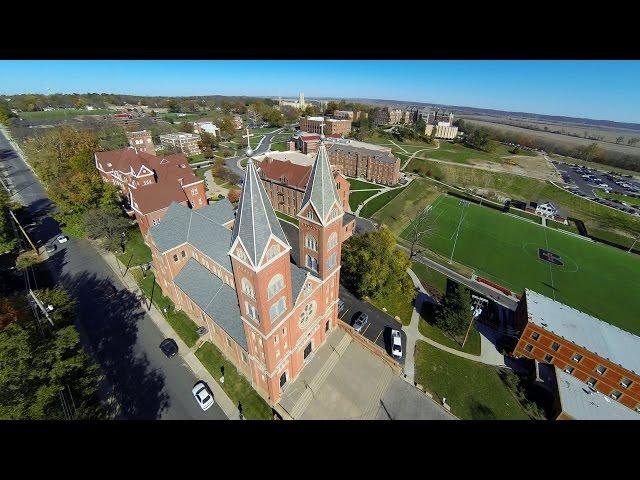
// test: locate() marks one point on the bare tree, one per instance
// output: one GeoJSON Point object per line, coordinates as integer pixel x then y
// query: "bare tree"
{"type": "Point", "coordinates": [421, 228]}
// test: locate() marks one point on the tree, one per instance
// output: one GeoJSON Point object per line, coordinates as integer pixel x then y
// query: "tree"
{"type": "Point", "coordinates": [63, 305]}
{"type": "Point", "coordinates": [371, 265]}
{"type": "Point", "coordinates": [8, 240]}
{"type": "Point", "coordinates": [420, 228]}
{"type": "Point", "coordinates": [186, 127]}
{"type": "Point", "coordinates": [27, 260]}
{"type": "Point", "coordinates": [633, 141]}
{"type": "Point", "coordinates": [5, 114]}
{"type": "Point", "coordinates": [106, 224]}
{"type": "Point", "coordinates": [620, 139]}
{"type": "Point", "coordinates": [227, 127]}
{"type": "Point", "coordinates": [233, 195]}
{"type": "Point", "coordinates": [453, 315]}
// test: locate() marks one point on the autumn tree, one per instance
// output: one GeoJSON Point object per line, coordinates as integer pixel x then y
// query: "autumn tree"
{"type": "Point", "coordinates": [106, 225]}
{"type": "Point", "coordinates": [419, 230]}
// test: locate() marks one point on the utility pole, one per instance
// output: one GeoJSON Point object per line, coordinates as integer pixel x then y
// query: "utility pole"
{"type": "Point", "coordinates": [39, 304]}
{"type": "Point", "coordinates": [35, 249]}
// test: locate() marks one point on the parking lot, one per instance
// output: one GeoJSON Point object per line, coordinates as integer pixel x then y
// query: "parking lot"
{"type": "Point", "coordinates": [379, 326]}
{"type": "Point", "coordinates": [575, 181]}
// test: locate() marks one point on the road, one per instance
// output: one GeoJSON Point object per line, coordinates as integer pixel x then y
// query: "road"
{"type": "Point", "coordinates": [232, 162]}
{"type": "Point", "coordinates": [116, 331]}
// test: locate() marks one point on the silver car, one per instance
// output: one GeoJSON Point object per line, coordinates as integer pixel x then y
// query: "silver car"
{"type": "Point", "coordinates": [203, 395]}
{"type": "Point", "coordinates": [361, 321]}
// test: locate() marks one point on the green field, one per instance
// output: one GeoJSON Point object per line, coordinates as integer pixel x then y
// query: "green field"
{"type": "Point", "coordinates": [62, 113]}
{"type": "Point", "coordinates": [380, 201]}
{"type": "Point", "coordinates": [360, 185]}
{"type": "Point", "coordinates": [278, 147]}
{"type": "Point", "coordinates": [600, 280]}
{"type": "Point", "coordinates": [474, 391]}
{"type": "Point", "coordinates": [357, 197]}
{"type": "Point", "coordinates": [456, 152]}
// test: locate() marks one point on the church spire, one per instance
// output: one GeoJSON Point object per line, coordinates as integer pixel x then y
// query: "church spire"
{"type": "Point", "coordinates": [321, 191]}
{"type": "Point", "coordinates": [256, 222]}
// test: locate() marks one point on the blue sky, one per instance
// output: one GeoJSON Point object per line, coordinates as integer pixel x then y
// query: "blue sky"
{"type": "Point", "coordinates": [593, 89]}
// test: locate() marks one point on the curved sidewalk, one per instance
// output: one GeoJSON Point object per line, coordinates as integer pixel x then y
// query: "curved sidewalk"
{"type": "Point", "coordinates": [488, 353]}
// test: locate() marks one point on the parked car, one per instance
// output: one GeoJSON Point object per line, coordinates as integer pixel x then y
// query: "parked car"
{"type": "Point", "coordinates": [50, 248]}
{"type": "Point", "coordinates": [341, 306]}
{"type": "Point", "coordinates": [62, 239]}
{"type": "Point", "coordinates": [361, 321]}
{"type": "Point", "coordinates": [169, 347]}
{"type": "Point", "coordinates": [203, 395]}
{"type": "Point", "coordinates": [396, 344]}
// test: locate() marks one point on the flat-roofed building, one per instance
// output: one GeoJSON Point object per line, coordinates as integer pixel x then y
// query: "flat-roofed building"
{"type": "Point", "coordinates": [208, 127]}
{"type": "Point", "coordinates": [186, 142]}
{"type": "Point", "coordinates": [141, 141]}
{"type": "Point", "coordinates": [364, 160]}
{"type": "Point", "coordinates": [576, 401]}
{"type": "Point", "coordinates": [331, 125]}
{"type": "Point", "coordinates": [343, 114]}
{"type": "Point", "coordinates": [602, 356]}
{"type": "Point", "coordinates": [308, 142]}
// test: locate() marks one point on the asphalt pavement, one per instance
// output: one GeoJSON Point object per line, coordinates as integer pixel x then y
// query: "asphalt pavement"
{"type": "Point", "coordinates": [115, 330]}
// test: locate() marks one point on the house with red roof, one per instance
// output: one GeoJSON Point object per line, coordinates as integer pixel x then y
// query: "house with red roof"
{"type": "Point", "coordinates": [151, 183]}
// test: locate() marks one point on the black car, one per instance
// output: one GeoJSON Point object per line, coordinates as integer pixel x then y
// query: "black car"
{"type": "Point", "coordinates": [169, 347]}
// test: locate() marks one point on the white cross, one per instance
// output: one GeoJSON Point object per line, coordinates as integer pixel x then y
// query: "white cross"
{"type": "Point", "coordinates": [322, 127]}
{"type": "Point", "coordinates": [247, 136]}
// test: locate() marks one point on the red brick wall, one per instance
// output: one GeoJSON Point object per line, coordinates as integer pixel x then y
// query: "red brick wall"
{"type": "Point", "coordinates": [584, 369]}
{"type": "Point", "coordinates": [196, 194]}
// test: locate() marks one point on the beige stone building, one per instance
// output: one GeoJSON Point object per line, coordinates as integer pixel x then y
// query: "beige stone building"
{"type": "Point", "coordinates": [186, 142]}
{"type": "Point", "coordinates": [443, 130]}
{"type": "Point", "coordinates": [364, 160]}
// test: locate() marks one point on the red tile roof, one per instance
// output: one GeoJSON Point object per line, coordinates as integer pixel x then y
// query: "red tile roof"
{"type": "Point", "coordinates": [286, 172]}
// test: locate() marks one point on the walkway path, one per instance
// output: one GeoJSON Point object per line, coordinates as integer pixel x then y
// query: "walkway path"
{"type": "Point", "coordinates": [213, 189]}
{"type": "Point", "coordinates": [188, 356]}
{"type": "Point", "coordinates": [488, 353]}
{"type": "Point", "coordinates": [384, 190]}
{"type": "Point", "coordinates": [404, 165]}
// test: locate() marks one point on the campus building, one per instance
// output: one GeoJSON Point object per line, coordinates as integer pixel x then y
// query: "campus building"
{"type": "Point", "coordinates": [151, 183]}
{"type": "Point", "coordinates": [443, 130]}
{"type": "Point", "coordinates": [309, 143]}
{"type": "Point", "coordinates": [332, 126]}
{"type": "Point", "coordinates": [285, 176]}
{"type": "Point", "coordinates": [233, 273]}
{"type": "Point", "coordinates": [209, 127]}
{"type": "Point", "coordinates": [358, 159]}
{"type": "Point", "coordinates": [237, 121]}
{"type": "Point", "coordinates": [299, 103]}
{"type": "Point", "coordinates": [141, 141]}
{"type": "Point", "coordinates": [603, 357]}
{"type": "Point", "coordinates": [343, 114]}
{"type": "Point", "coordinates": [186, 142]}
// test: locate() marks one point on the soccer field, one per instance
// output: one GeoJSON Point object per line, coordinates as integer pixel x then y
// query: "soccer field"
{"type": "Point", "coordinates": [594, 278]}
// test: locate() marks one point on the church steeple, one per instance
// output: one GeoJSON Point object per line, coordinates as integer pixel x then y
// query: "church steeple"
{"type": "Point", "coordinates": [256, 224]}
{"type": "Point", "coordinates": [321, 193]}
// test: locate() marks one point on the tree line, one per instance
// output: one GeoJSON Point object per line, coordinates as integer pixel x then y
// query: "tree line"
{"type": "Point", "coordinates": [592, 152]}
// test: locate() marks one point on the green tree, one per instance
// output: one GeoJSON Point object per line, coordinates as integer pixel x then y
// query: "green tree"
{"type": "Point", "coordinates": [453, 315]}
{"type": "Point", "coordinates": [633, 141]}
{"type": "Point", "coordinates": [107, 225]}
{"type": "Point", "coordinates": [63, 305]}
{"type": "Point", "coordinates": [8, 240]}
{"type": "Point", "coordinates": [27, 260]}
{"type": "Point", "coordinates": [5, 113]}
{"type": "Point", "coordinates": [371, 264]}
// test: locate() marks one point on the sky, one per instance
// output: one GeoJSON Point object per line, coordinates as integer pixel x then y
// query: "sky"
{"type": "Point", "coordinates": [607, 90]}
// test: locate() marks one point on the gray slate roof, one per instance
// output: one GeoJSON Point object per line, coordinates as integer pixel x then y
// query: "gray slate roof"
{"type": "Point", "coordinates": [214, 297]}
{"type": "Point", "coordinates": [298, 277]}
{"type": "Point", "coordinates": [255, 221]}
{"type": "Point", "coordinates": [321, 190]}
{"type": "Point", "coordinates": [601, 338]}
{"type": "Point", "coordinates": [201, 228]}
{"type": "Point", "coordinates": [582, 403]}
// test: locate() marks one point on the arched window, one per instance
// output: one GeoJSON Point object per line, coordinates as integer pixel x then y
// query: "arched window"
{"type": "Point", "coordinates": [312, 263]}
{"type": "Point", "coordinates": [307, 313]}
{"type": "Point", "coordinates": [275, 285]}
{"type": "Point", "coordinates": [331, 262]}
{"type": "Point", "coordinates": [311, 242]}
{"type": "Point", "coordinates": [333, 240]}
{"type": "Point", "coordinates": [247, 288]}
{"type": "Point", "coordinates": [277, 308]}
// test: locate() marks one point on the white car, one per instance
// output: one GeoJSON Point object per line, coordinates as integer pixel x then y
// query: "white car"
{"type": "Point", "coordinates": [396, 344]}
{"type": "Point", "coordinates": [203, 395]}
{"type": "Point", "coordinates": [62, 239]}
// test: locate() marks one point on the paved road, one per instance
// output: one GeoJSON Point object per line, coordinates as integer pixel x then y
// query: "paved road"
{"type": "Point", "coordinates": [116, 331]}
{"type": "Point", "coordinates": [232, 162]}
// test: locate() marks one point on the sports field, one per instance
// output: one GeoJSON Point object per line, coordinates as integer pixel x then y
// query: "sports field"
{"type": "Point", "coordinates": [596, 279]}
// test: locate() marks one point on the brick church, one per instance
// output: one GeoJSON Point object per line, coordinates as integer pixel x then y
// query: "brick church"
{"type": "Point", "coordinates": [233, 273]}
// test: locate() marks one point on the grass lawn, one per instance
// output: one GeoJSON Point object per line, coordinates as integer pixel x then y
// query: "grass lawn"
{"type": "Point", "coordinates": [474, 390]}
{"type": "Point", "coordinates": [399, 211]}
{"type": "Point", "coordinates": [395, 305]}
{"type": "Point", "coordinates": [380, 201]}
{"type": "Point", "coordinates": [431, 277]}
{"type": "Point", "coordinates": [189, 117]}
{"type": "Point", "coordinates": [196, 158]}
{"type": "Point", "coordinates": [136, 251]}
{"type": "Point", "coordinates": [594, 215]}
{"type": "Point", "coordinates": [360, 185]}
{"type": "Point", "coordinates": [243, 162]}
{"type": "Point", "coordinates": [179, 321]}
{"type": "Point", "coordinates": [492, 243]}
{"type": "Point", "coordinates": [358, 197]}
{"type": "Point", "coordinates": [62, 113]}
{"type": "Point", "coordinates": [428, 329]}
{"type": "Point", "coordinates": [616, 196]}
{"type": "Point", "coordinates": [459, 153]}
{"type": "Point", "coordinates": [278, 147]}
{"type": "Point", "coordinates": [286, 217]}
{"type": "Point", "coordinates": [235, 384]}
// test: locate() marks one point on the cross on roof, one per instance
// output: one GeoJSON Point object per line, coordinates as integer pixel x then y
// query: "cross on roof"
{"type": "Point", "coordinates": [247, 136]}
{"type": "Point", "coordinates": [322, 129]}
